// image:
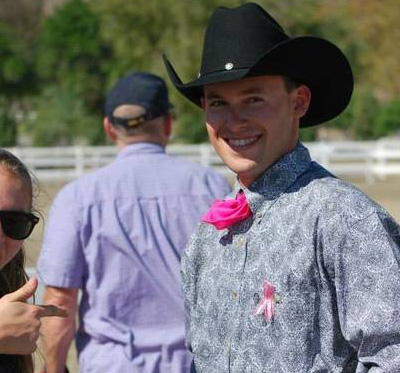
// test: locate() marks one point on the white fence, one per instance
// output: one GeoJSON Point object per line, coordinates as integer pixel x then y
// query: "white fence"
{"type": "Point", "coordinates": [369, 159]}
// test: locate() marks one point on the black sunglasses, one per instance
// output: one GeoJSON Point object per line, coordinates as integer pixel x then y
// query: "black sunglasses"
{"type": "Point", "coordinates": [17, 225]}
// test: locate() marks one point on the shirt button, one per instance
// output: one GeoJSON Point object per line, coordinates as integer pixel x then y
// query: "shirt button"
{"type": "Point", "coordinates": [234, 294]}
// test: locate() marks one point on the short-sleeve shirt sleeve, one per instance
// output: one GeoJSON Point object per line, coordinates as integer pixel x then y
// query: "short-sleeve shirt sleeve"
{"type": "Point", "coordinates": [61, 262]}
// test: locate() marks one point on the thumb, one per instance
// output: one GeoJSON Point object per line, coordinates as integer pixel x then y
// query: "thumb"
{"type": "Point", "coordinates": [24, 292]}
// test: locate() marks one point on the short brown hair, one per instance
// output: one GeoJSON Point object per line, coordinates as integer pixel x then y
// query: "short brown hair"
{"type": "Point", "coordinates": [290, 83]}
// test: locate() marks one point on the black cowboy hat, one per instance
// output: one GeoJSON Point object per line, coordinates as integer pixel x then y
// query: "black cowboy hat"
{"type": "Point", "coordinates": [246, 41]}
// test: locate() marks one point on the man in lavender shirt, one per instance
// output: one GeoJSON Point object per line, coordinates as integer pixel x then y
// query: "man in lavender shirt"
{"type": "Point", "coordinates": [117, 234]}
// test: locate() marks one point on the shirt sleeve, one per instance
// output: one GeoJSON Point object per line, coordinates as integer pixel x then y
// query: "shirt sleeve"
{"type": "Point", "coordinates": [367, 283]}
{"type": "Point", "coordinates": [188, 281]}
{"type": "Point", "coordinates": [61, 262]}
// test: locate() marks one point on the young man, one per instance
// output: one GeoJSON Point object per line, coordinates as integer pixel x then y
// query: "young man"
{"type": "Point", "coordinates": [117, 234]}
{"type": "Point", "coordinates": [298, 271]}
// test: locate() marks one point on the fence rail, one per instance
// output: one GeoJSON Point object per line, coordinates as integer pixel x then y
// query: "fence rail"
{"type": "Point", "coordinates": [369, 159]}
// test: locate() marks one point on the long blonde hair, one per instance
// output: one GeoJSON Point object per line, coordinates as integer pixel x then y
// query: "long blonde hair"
{"type": "Point", "coordinates": [13, 275]}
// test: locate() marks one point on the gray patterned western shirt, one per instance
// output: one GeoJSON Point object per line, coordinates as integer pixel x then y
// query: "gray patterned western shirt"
{"type": "Point", "coordinates": [333, 256]}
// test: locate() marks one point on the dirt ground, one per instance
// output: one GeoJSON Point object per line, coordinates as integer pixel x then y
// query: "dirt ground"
{"type": "Point", "coordinates": [386, 192]}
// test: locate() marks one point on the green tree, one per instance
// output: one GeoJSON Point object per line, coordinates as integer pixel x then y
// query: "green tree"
{"type": "Point", "coordinates": [70, 64]}
{"type": "Point", "coordinates": [8, 128]}
{"type": "Point", "coordinates": [363, 112]}
{"type": "Point", "coordinates": [388, 119]}
{"type": "Point", "coordinates": [62, 118]}
{"type": "Point", "coordinates": [14, 72]}
{"type": "Point", "coordinates": [88, 45]}
{"type": "Point", "coordinates": [71, 50]}
{"type": "Point", "coordinates": [376, 25]}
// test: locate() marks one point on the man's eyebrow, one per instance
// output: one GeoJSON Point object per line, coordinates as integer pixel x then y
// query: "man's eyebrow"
{"type": "Point", "coordinates": [248, 91]}
{"type": "Point", "coordinates": [211, 95]}
{"type": "Point", "coordinates": [253, 90]}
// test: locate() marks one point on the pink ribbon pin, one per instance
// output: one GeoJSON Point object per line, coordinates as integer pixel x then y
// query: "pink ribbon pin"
{"type": "Point", "coordinates": [224, 213]}
{"type": "Point", "coordinates": [266, 306]}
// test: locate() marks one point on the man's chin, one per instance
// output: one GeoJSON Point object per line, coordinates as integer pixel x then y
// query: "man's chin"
{"type": "Point", "coordinates": [246, 171]}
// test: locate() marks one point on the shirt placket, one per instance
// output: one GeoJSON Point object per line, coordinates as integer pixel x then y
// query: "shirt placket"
{"type": "Point", "coordinates": [240, 245]}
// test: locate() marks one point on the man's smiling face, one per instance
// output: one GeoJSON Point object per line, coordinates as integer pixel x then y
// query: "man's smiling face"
{"type": "Point", "coordinates": [253, 122]}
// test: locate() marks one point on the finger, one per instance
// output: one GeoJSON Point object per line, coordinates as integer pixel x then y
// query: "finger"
{"type": "Point", "coordinates": [50, 310]}
{"type": "Point", "coordinates": [24, 292]}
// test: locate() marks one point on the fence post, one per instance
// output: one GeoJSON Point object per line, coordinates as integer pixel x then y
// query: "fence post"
{"type": "Point", "coordinates": [205, 155]}
{"type": "Point", "coordinates": [79, 161]}
{"type": "Point", "coordinates": [380, 158]}
{"type": "Point", "coordinates": [324, 151]}
{"type": "Point", "coordinates": [370, 169]}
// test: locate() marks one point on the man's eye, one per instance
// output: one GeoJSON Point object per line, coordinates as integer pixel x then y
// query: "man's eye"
{"type": "Point", "coordinates": [252, 100]}
{"type": "Point", "coordinates": [216, 103]}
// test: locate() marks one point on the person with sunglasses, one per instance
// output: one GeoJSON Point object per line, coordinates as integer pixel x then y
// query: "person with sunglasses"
{"type": "Point", "coordinates": [19, 320]}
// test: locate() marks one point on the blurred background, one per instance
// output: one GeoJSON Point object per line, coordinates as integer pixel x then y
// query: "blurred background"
{"type": "Point", "coordinates": [59, 57]}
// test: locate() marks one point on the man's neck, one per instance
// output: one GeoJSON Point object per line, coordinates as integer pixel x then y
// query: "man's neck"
{"type": "Point", "coordinates": [122, 144]}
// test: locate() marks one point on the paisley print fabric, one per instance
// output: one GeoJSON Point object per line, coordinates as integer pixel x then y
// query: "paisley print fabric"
{"type": "Point", "coordinates": [333, 257]}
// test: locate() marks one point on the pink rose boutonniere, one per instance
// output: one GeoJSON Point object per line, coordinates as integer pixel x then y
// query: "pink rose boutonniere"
{"type": "Point", "coordinates": [266, 306]}
{"type": "Point", "coordinates": [224, 213]}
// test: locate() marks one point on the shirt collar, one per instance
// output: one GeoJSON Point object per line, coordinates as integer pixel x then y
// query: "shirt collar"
{"type": "Point", "coordinates": [270, 185]}
{"type": "Point", "coordinates": [141, 148]}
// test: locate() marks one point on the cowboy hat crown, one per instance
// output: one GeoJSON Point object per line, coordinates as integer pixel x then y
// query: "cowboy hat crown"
{"type": "Point", "coordinates": [247, 41]}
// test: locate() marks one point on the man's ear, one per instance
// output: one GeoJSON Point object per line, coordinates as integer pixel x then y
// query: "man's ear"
{"type": "Point", "coordinates": [109, 129]}
{"type": "Point", "coordinates": [302, 100]}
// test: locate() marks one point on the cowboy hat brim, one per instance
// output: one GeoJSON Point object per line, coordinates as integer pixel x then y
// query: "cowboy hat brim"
{"type": "Point", "coordinates": [309, 60]}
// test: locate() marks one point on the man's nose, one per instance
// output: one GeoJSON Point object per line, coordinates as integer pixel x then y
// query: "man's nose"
{"type": "Point", "coordinates": [235, 118]}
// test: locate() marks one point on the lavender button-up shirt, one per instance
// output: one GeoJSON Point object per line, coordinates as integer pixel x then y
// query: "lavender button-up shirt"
{"type": "Point", "coordinates": [118, 234]}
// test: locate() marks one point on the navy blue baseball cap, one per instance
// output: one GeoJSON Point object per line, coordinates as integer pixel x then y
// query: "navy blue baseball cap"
{"type": "Point", "coordinates": [143, 89]}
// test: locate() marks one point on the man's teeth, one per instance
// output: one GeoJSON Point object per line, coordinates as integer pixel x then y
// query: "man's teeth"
{"type": "Point", "coordinates": [242, 142]}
